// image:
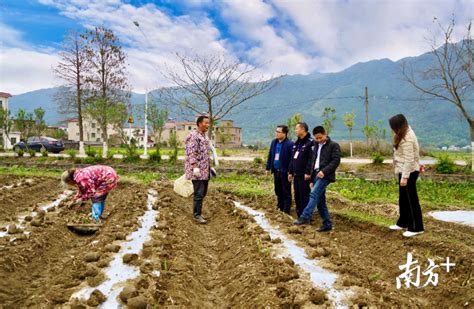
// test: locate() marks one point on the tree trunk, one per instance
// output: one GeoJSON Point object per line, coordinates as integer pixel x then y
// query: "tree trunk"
{"type": "Point", "coordinates": [471, 123]}
{"type": "Point", "coordinates": [105, 141]}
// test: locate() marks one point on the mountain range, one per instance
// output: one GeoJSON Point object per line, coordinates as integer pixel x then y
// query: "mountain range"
{"type": "Point", "coordinates": [437, 123]}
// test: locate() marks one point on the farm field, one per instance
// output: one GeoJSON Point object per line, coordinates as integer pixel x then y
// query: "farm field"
{"type": "Point", "coordinates": [149, 251]}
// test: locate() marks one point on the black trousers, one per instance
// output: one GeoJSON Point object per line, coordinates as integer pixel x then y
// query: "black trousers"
{"type": "Point", "coordinates": [200, 191]}
{"type": "Point", "coordinates": [302, 191]}
{"type": "Point", "coordinates": [410, 210]}
{"type": "Point", "coordinates": [282, 191]}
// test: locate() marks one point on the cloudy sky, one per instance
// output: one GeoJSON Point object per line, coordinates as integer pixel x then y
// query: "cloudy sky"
{"type": "Point", "coordinates": [277, 36]}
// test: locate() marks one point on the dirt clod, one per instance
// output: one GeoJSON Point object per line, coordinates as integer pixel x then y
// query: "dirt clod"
{"type": "Point", "coordinates": [13, 229]}
{"type": "Point", "coordinates": [92, 257]}
{"type": "Point", "coordinates": [129, 258]}
{"type": "Point", "coordinates": [317, 297]}
{"type": "Point", "coordinates": [91, 271]}
{"type": "Point", "coordinates": [128, 292]}
{"type": "Point", "coordinates": [96, 298]}
{"type": "Point", "coordinates": [112, 248]}
{"type": "Point", "coordinates": [138, 302]}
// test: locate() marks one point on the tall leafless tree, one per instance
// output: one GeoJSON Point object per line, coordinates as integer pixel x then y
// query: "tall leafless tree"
{"type": "Point", "coordinates": [72, 69]}
{"type": "Point", "coordinates": [214, 85]}
{"type": "Point", "coordinates": [451, 78]}
{"type": "Point", "coordinates": [107, 79]}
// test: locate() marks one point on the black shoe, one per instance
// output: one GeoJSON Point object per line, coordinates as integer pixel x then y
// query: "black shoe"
{"type": "Point", "coordinates": [324, 229]}
{"type": "Point", "coordinates": [301, 221]}
{"type": "Point", "coordinates": [200, 219]}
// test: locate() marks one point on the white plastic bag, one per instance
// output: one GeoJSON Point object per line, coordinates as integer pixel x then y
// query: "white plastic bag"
{"type": "Point", "coordinates": [183, 187]}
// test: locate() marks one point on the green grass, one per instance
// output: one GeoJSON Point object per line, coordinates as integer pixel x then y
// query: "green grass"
{"type": "Point", "coordinates": [433, 195]}
{"type": "Point", "coordinates": [452, 155]}
{"type": "Point", "coordinates": [23, 171]}
{"type": "Point", "coordinates": [144, 177]}
{"type": "Point", "coordinates": [245, 185]}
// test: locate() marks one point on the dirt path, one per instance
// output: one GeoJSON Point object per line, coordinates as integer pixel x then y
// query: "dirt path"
{"type": "Point", "coordinates": [219, 265]}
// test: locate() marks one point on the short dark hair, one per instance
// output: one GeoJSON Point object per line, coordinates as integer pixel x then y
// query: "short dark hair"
{"type": "Point", "coordinates": [201, 119]}
{"type": "Point", "coordinates": [303, 125]}
{"type": "Point", "coordinates": [284, 128]}
{"type": "Point", "coordinates": [319, 129]}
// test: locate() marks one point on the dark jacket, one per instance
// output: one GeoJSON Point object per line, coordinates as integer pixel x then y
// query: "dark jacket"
{"type": "Point", "coordinates": [329, 161]}
{"type": "Point", "coordinates": [298, 166]}
{"type": "Point", "coordinates": [285, 155]}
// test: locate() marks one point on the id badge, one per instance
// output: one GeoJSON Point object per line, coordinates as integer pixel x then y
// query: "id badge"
{"type": "Point", "coordinates": [277, 156]}
{"type": "Point", "coordinates": [296, 155]}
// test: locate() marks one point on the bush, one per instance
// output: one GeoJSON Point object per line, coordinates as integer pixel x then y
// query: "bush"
{"type": "Point", "coordinates": [155, 156]}
{"type": "Point", "coordinates": [91, 152]}
{"type": "Point", "coordinates": [20, 152]}
{"type": "Point", "coordinates": [445, 165]}
{"type": "Point", "coordinates": [78, 161]}
{"type": "Point", "coordinates": [44, 153]}
{"type": "Point", "coordinates": [131, 155]}
{"type": "Point", "coordinates": [468, 168]}
{"type": "Point", "coordinates": [131, 159]}
{"type": "Point", "coordinates": [72, 153]}
{"type": "Point", "coordinates": [257, 160]}
{"type": "Point", "coordinates": [93, 160]}
{"type": "Point", "coordinates": [377, 158]}
{"type": "Point", "coordinates": [31, 152]}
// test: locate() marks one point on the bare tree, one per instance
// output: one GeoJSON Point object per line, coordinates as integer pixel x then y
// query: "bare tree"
{"type": "Point", "coordinates": [214, 85]}
{"type": "Point", "coordinates": [72, 70]}
{"type": "Point", "coordinates": [107, 79]}
{"type": "Point", "coordinates": [451, 78]}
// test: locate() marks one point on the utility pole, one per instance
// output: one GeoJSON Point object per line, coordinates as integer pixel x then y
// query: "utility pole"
{"type": "Point", "coordinates": [145, 138]}
{"type": "Point", "coordinates": [366, 103]}
{"type": "Point", "coordinates": [145, 145]}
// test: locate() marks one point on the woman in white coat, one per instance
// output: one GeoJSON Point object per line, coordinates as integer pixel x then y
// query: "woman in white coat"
{"type": "Point", "coordinates": [406, 159]}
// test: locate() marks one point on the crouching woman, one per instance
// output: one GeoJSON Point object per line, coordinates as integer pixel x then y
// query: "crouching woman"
{"type": "Point", "coordinates": [92, 182]}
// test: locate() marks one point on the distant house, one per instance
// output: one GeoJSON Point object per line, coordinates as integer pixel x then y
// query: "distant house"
{"type": "Point", "coordinates": [92, 131]}
{"type": "Point", "coordinates": [138, 134]}
{"type": "Point", "coordinates": [225, 134]}
{"type": "Point", "coordinates": [13, 136]}
{"type": "Point", "coordinates": [182, 129]}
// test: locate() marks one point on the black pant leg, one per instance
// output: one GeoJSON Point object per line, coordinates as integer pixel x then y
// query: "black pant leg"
{"type": "Point", "coordinates": [402, 205]}
{"type": "Point", "coordinates": [286, 188]}
{"type": "Point", "coordinates": [416, 225]}
{"type": "Point", "coordinates": [297, 193]}
{"type": "Point", "coordinates": [206, 186]}
{"type": "Point", "coordinates": [300, 193]}
{"type": "Point", "coordinates": [278, 189]}
{"type": "Point", "coordinates": [199, 193]}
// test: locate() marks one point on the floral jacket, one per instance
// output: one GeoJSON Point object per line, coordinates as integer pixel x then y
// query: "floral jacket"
{"type": "Point", "coordinates": [94, 181]}
{"type": "Point", "coordinates": [197, 155]}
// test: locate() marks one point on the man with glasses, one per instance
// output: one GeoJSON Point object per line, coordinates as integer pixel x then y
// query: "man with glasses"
{"type": "Point", "coordinates": [279, 157]}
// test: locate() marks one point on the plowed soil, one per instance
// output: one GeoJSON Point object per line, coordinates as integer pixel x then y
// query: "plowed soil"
{"type": "Point", "coordinates": [225, 263]}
